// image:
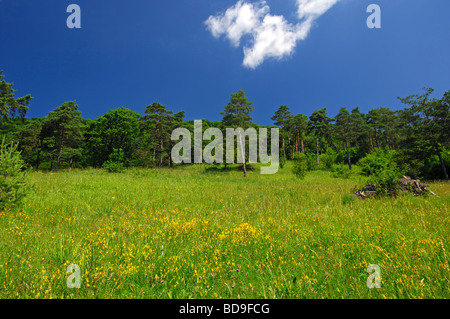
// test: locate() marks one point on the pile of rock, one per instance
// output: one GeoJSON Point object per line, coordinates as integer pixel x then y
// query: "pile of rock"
{"type": "Point", "coordinates": [366, 192]}
{"type": "Point", "coordinates": [405, 183]}
{"type": "Point", "coordinates": [414, 186]}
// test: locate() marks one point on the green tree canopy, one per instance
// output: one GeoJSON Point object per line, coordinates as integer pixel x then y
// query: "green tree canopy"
{"type": "Point", "coordinates": [237, 111]}
{"type": "Point", "coordinates": [9, 105]}
{"type": "Point", "coordinates": [62, 131]}
{"type": "Point", "coordinates": [237, 114]}
{"type": "Point", "coordinates": [117, 129]}
{"type": "Point", "coordinates": [282, 118]}
{"type": "Point", "coordinates": [428, 124]}
{"type": "Point", "coordinates": [157, 122]}
{"type": "Point", "coordinates": [319, 126]}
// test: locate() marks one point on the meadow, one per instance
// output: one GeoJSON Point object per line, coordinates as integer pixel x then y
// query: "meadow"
{"type": "Point", "coordinates": [192, 233]}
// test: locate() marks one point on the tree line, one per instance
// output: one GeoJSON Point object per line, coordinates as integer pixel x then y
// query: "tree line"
{"type": "Point", "coordinates": [63, 139]}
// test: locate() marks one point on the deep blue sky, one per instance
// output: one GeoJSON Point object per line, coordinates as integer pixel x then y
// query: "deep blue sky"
{"type": "Point", "coordinates": [132, 53]}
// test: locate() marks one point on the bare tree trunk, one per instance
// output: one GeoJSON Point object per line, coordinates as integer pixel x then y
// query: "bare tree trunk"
{"type": "Point", "coordinates": [317, 151]}
{"type": "Point", "coordinates": [169, 150]}
{"type": "Point", "coordinates": [371, 141]}
{"type": "Point", "coordinates": [161, 156]}
{"type": "Point", "coordinates": [154, 150]}
{"type": "Point", "coordinates": [376, 139]}
{"type": "Point", "coordinates": [58, 164]}
{"type": "Point", "coordinates": [444, 170]}
{"type": "Point", "coordinates": [70, 164]}
{"type": "Point", "coordinates": [38, 159]}
{"type": "Point", "coordinates": [243, 155]}
{"type": "Point", "coordinates": [293, 149]}
{"type": "Point", "coordinates": [349, 161]}
{"type": "Point", "coordinates": [224, 151]}
{"type": "Point", "coordinates": [289, 143]}
{"type": "Point", "coordinates": [303, 145]}
{"type": "Point", "coordinates": [284, 150]}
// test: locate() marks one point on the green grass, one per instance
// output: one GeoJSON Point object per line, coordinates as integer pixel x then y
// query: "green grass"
{"type": "Point", "coordinates": [192, 233]}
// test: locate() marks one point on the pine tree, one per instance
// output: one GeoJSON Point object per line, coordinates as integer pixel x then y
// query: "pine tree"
{"type": "Point", "coordinates": [237, 115]}
{"type": "Point", "coordinates": [282, 117]}
{"type": "Point", "coordinates": [157, 119]}
{"type": "Point", "coordinates": [428, 124]}
{"type": "Point", "coordinates": [319, 126]}
{"type": "Point", "coordinates": [9, 105]}
{"type": "Point", "coordinates": [62, 129]}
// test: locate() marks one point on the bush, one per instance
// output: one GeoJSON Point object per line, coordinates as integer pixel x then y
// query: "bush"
{"type": "Point", "coordinates": [421, 164]}
{"type": "Point", "coordinates": [341, 171]}
{"type": "Point", "coordinates": [355, 155]}
{"type": "Point", "coordinates": [300, 167]}
{"type": "Point", "coordinates": [115, 162]}
{"type": "Point", "coordinates": [377, 162]}
{"type": "Point", "coordinates": [384, 167]}
{"type": "Point", "coordinates": [387, 181]}
{"type": "Point", "coordinates": [328, 159]}
{"type": "Point", "coordinates": [431, 167]}
{"type": "Point", "coordinates": [311, 161]}
{"type": "Point", "coordinates": [281, 160]}
{"type": "Point", "coordinates": [13, 187]}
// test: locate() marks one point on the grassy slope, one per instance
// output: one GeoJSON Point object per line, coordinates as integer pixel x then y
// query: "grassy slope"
{"type": "Point", "coordinates": [186, 233]}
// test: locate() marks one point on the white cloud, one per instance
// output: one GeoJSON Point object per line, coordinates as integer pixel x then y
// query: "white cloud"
{"type": "Point", "coordinates": [241, 19]}
{"type": "Point", "coordinates": [272, 36]}
{"type": "Point", "coordinates": [313, 8]}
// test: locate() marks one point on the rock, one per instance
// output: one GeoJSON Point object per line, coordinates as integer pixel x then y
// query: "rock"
{"type": "Point", "coordinates": [406, 183]}
{"type": "Point", "coordinates": [369, 188]}
{"type": "Point", "coordinates": [364, 194]}
{"type": "Point", "coordinates": [413, 185]}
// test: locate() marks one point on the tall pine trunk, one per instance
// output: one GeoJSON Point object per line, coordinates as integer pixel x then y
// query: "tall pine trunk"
{"type": "Point", "coordinates": [371, 141]}
{"type": "Point", "coordinates": [444, 169]}
{"type": "Point", "coordinates": [290, 144]}
{"type": "Point", "coordinates": [169, 151]}
{"type": "Point", "coordinates": [154, 150]}
{"type": "Point", "coordinates": [58, 163]}
{"type": "Point", "coordinates": [317, 151]}
{"type": "Point", "coordinates": [376, 139]}
{"type": "Point", "coordinates": [162, 149]}
{"type": "Point", "coordinates": [38, 159]}
{"type": "Point", "coordinates": [303, 145]}
{"type": "Point", "coordinates": [349, 161]}
{"type": "Point", "coordinates": [242, 154]}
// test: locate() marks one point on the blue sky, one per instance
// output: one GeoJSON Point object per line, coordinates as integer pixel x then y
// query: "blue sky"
{"type": "Point", "coordinates": [132, 53]}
